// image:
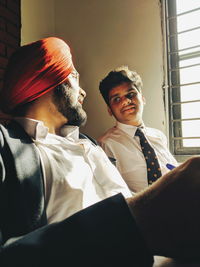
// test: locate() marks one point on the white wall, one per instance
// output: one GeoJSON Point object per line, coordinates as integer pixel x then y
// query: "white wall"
{"type": "Point", "coordinates": [38, 19]}
{"type": "Point", "coordinates": [105, 34]}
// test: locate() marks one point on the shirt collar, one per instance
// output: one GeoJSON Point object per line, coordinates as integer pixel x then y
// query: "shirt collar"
{"type": "Point", "coordinates": [129, 129]}
{"type": "Point", "coordinates": [71, 132]}
{"type": "Point", "coordinates": [37, 130]}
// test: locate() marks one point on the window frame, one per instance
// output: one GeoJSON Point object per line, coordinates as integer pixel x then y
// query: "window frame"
{"type": "Point", "coordinates": [172, 82]}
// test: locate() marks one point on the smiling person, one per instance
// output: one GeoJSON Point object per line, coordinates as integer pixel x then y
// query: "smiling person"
{"type": "Point", "coordinates": [141, 153]}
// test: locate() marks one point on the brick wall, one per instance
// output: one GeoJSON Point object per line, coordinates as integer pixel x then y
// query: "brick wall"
{"type": "Point", "coordinates": [10, 28]}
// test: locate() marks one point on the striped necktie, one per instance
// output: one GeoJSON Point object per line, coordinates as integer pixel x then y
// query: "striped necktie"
{"type": "Point", "coordinates": [153, 167]}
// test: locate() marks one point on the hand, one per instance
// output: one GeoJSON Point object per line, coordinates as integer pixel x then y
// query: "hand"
{"type": "Point", "coordinates": [168, 212]}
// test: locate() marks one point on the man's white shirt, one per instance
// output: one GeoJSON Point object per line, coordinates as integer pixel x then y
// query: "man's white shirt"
{"type": "Point", "coordinates": [121, 143]}
{"type": "Point", "coordinates": [77, 173]}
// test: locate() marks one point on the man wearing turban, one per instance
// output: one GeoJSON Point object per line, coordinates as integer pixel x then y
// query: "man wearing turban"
{"type": "Point", "coordinates": [62, 202]}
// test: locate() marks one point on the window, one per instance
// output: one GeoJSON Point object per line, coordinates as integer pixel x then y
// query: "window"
{"type": "Point", "coordinates": [182, 27]}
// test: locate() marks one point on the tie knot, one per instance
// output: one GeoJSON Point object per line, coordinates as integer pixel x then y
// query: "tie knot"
{"type": "Point", "coordinates": [139, 133]}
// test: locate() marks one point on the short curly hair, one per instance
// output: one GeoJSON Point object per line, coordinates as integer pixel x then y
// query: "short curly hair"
{"type": "Point", "coordinates": [117, 77]}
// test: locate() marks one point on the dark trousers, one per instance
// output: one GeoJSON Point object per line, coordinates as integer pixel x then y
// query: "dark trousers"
{"type": "Point", "coordinates": [103, 235]}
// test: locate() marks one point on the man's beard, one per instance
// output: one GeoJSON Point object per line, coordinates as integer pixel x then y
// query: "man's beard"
{"type": "Point", "coordinates": [63, 99]}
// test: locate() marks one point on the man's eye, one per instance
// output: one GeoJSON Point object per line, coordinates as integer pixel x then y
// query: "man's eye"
{"type": "Point", "coordinates": [116, 100]}
{"type": "Point", "coordinates": [131, 95]}
{"type": "Point", "coordinates": [75, 75]}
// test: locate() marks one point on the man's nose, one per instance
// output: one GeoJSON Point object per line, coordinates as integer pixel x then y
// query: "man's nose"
{"type": "Point", "coordinates": [126, 100]}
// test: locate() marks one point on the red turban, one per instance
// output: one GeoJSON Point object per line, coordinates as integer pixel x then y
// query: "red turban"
{"type": "Point", "coordinates": [34, 70]}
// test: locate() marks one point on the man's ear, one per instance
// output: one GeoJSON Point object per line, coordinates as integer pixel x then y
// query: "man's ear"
{"type": "Point", "coordinates": [109, 111]}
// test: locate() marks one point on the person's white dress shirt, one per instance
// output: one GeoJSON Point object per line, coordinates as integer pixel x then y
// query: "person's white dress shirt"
{"type": "Point", "coordinates": [121, 143]}
{"type": "Point", "coordinates": [77, 173]}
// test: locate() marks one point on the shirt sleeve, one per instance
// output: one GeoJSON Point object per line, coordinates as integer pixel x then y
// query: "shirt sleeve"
{"type": "Point", "coordinates": [165, 144]}
{"type": "Point", "coordinates": [106, 148]}
{"type": "Point", "coordinates": [107, 176]}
